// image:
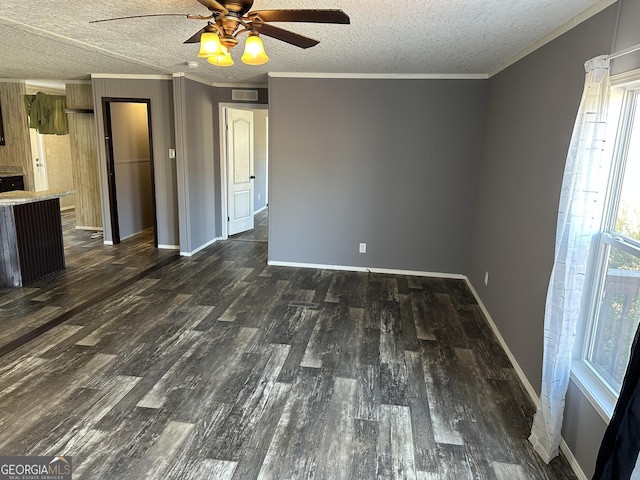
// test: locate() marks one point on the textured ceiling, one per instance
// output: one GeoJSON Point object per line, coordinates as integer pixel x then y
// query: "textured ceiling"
{"type": "Point", "coordinates": [53, 39]}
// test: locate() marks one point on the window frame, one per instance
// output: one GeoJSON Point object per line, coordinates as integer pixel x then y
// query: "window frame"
{"type": "Point", "coordinates": [625, 96]}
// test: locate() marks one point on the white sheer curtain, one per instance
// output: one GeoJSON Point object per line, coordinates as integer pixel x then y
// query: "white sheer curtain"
{"type": "Point", "coordinates": [579, 218]}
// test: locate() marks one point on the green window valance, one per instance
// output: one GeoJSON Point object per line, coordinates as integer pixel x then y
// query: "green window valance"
{"type": "Point", "coordinates": [46, 113]}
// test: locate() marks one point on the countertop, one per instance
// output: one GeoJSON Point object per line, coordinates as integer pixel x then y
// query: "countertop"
{"type": "Point", "coordinates": [19, 197]}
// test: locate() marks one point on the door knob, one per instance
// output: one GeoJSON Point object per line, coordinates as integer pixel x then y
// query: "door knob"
{"type": "Point", "coordinates": [252, 177]}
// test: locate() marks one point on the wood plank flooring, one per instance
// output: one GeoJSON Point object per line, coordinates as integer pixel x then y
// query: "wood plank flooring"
{"type": "Point", "coordinates": [91, 268]}
{"type": "Point", "coordinates": [203, 369]}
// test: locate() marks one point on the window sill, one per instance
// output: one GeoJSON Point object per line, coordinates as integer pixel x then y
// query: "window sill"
{"type": "Point", "coordinates": [593, 388]}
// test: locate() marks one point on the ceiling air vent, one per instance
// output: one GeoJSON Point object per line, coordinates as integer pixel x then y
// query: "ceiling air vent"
{"type": "Point", "coordinates": [245, 95]}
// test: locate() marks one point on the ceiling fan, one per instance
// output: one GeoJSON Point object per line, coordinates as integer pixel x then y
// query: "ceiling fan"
{"type": "Point", "coordinates": [231, 18]}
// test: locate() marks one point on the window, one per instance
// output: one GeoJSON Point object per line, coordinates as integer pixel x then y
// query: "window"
{"type": "Point", "coordinates": [614, 294]}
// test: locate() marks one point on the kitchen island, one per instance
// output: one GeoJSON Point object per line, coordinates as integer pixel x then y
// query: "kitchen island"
{"type": "Point", "coordinates": [31, 244]}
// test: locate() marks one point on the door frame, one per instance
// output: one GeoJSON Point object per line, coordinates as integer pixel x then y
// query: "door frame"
{"type": "Point", "coordinates": [224, 187]}
{"type": "Point", "coordinates": [40, 172]}
{"type": "Point", "coordinates": [111, 170]}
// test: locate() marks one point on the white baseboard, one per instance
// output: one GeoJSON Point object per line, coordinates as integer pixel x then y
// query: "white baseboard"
{"type": "Point", "coordinates": [523, 378]}
{"type": "Point", "coordinates": [525, 381]}
{"type": "Point", "coordinates": [169, 247]}
{"type": "Point", "coordinates": [577, 469]}
{"type": "Point", "coordinates": [108, 242]}
{"type": "Point", "coordinates": [83, 227]}
{"type": "Point", "coordinates": [350, 268]}
{"type": "Point", "coordinates": [202, 247]}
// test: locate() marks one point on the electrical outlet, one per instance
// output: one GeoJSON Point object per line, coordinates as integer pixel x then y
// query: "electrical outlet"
{"type": "Point", "coordinates": [486, 278]}
{"type": "Point", "coordinates": [258, 196]}
{"type": "Point", "coordinates": [363, 248]}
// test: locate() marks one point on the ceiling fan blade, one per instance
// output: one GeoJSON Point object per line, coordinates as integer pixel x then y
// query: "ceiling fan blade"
{"type": "Point", "coordinates": [285, 35]}
{"type": "Point", "coordinates": [214, 5]}
{"type": "Point", "coordinates": [310, 16]}
{"type": "Point", "coordinates": [141, 16]}
{"type": "Point", "coordinates": [195, 38]}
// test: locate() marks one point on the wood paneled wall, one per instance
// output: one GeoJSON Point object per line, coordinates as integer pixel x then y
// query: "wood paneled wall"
{"type": "Point", "coordinates": [84, 157]}
{"type": "Point", "coordinates": [17, 150]}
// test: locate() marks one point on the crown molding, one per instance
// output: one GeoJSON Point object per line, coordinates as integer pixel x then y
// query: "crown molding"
{"type": "Point", "coordinates": [383, 76]}
{"type": "Point", "coordinates": [241, 85]}
{"type": "Point", "coordinates": [130, 77]}
{"type": "Point", "coordinates": [575, 21]}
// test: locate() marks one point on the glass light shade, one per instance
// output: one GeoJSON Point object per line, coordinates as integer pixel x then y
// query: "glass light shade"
{"type": "Point", "coordinates": [254, 53]}
{"type": "Point", "coordinates": [223, 60]}
{"type": "Point", "coordinates": [210, 45]}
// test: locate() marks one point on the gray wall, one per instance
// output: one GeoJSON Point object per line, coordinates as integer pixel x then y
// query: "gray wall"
{"type": "Point", "coordinates": [159, 91]}
{"type": "Point", "coordinates": [196, 141]}
{"type": "Point", "coordinates": [531, 111]}
{"type": "Point", "coordinates": [392, 163]}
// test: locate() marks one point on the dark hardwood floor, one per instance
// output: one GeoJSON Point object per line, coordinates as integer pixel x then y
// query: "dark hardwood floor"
{"type": "Point", "coordinates": [221, 367]}
{"type": "Point", "coordinates": [260, 231]}
{"type": "Point", "coordinates": [92, 269]}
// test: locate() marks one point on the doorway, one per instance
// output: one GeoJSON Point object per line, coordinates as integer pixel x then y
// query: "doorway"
{"type": "Point", "coordinates": [52, 165]}
{"type": "Point", "coordinates": [130, 167]}
{"type": "Point", "coordinates": [39, 161]}
{"type": "Point", "coordinates": [243, 165]}
{"type": "Point", "coordinates": [240, 165]}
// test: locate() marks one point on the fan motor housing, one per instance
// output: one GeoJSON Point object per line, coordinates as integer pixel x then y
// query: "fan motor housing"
{"type": "Point", "coordinates": [239, 6]}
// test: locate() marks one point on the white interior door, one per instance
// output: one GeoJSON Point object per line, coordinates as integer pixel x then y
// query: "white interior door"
{"type": "Point", "coordinates": [39, 161]}
{"type": "Point", "coordinates": [239, 141]}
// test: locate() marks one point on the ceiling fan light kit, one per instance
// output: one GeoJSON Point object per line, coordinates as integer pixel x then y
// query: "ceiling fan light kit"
{"type": "Point", "coordinates": [210, 45]}
{"type": "Point", "coordinates": [254, 53]}
{"type": "Point", "coordinates": [230, 18]}
{"type": "Point", "coordinates": [224, 60]}
{"type": "Point", "coordinates": [218, 54]}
